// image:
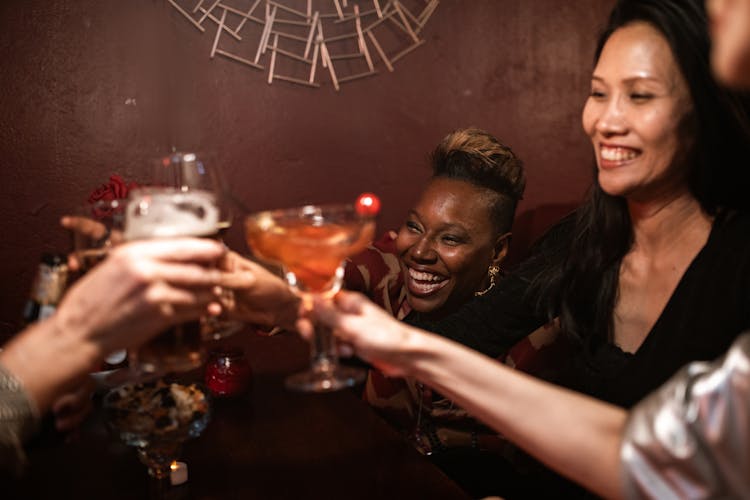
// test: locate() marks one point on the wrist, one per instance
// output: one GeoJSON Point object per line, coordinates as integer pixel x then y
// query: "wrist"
{"type": "Point", "coordinates": [433, 359]}
{"type": "Point", "coordinates": [415, 353]}
{"type": "Point", "coordinates": [75, 337]}
{"type": "Point", "coordinates": [47, 356]}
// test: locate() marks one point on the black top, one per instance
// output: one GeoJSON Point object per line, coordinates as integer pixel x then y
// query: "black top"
{"type": "Point", "coordinates": [706, 312]}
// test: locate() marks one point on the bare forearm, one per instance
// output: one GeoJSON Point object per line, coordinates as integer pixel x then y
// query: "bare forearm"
{"type": "Point", "coordinates": [46, 360]}
{"type": "Point", "coordinates": [573, 434]}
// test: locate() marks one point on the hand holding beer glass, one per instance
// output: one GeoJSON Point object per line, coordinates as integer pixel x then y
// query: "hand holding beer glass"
{"type": "Point", "coordinates": [191, 172]}
{"type": "Point", "coordinates": [167, 213]}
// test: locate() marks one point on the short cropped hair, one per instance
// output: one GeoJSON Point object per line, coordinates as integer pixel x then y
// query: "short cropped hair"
{"type": "Point", "coordinates": [475, 156]}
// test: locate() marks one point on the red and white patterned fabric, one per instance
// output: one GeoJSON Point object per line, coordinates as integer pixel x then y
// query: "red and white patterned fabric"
{"type": "Point", "coordinates": [415, 409]}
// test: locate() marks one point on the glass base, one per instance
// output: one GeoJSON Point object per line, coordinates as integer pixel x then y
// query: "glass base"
{"type": "Point", "coordinates": [335, 379]}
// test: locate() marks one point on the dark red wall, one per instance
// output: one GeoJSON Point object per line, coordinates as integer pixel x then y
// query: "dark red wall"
{"type": "Point", "coordinates": [518, 68]}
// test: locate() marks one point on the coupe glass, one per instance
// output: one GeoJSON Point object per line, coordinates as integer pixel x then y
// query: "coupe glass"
{"type": "Point", "coordinates": [187, 172]}
{"type": "Point", "coordinates": [311, 243]}
{"type": "Point", "coordinates": [157, 418]}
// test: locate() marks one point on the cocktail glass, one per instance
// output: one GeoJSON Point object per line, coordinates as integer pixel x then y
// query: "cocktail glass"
{"type": "Point", "coordinates": [311, 243]}
{"type": "Point", "coordinates": [157, 418]}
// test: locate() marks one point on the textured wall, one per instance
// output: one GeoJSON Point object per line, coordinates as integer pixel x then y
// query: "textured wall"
{"type": "Point", "coordinates": [91, 87]}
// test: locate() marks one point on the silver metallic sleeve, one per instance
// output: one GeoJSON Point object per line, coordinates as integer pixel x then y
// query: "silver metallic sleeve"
{"type": "Point", "coordinates": [691, 437]}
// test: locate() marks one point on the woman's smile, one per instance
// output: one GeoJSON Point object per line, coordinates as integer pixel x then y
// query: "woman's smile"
{"type": "Point", "coordinates": [424, 283]}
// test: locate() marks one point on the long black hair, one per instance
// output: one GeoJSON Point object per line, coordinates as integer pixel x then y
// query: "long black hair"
{"type": "Point", "coordinates": [582, 291]}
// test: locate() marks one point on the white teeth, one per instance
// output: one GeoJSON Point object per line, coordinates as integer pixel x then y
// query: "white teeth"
{"type": "Point", "coordinates": [617, 154]}
{"type": "Point", "coordinates": [422, 276]}
{"type": "Point", "coordinates": [423, 283]}
{"type": "Point", "coordinates": [426, 288]}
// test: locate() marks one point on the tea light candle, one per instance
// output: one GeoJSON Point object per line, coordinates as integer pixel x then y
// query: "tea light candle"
{"type": "Point", "coordinates": [178, 473]}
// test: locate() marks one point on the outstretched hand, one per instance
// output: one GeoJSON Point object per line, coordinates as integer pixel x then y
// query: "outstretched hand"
{"type": "Point", "coordinates": [142, 288]}
{"type": "Point", "coordinates": [260, 297]}
{"type": "Point", "coordinates": [71, 409]}
{"type": "Point", "coordinates": [86, 229]}
{"type": "Point", "coordinates": [372, 333]}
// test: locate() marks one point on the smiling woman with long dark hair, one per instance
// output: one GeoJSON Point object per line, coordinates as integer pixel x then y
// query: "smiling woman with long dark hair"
{"type": "Point", "coordinates": [690, 438]}
{"type": "Point", "coordinates": [650, 273]}
{"type": "Point", "coordinates": [653, 270]}
{"type": "Point", "coordinates": [656, 255]}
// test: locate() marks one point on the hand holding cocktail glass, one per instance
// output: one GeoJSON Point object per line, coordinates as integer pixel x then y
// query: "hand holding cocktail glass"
{"type": "Point", "coordinates": [311, 243]}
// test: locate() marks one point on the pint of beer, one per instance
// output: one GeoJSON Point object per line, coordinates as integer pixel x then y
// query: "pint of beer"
{"type": "Point", "coordinates": [168, 213]}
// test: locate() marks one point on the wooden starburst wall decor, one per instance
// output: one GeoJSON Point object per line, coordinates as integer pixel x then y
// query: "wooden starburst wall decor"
{"type": "Point", "coordinates": [309, 42]}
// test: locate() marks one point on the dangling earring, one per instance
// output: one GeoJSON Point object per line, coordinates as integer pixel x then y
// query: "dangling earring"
{"type": "Point", "coordinates": [492, 273]}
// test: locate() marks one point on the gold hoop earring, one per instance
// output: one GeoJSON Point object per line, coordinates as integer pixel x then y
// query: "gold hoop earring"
{"type": "Point", "coordinates": [492, 272]}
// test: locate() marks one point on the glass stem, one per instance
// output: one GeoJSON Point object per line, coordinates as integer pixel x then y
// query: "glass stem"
{"type": "Point", "coordinates": [158, 487]}
{"type": "Point", "coordinates": [323, 353]}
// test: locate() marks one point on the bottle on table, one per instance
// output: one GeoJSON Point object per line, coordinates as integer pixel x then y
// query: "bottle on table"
{"type": "Point", "coordinates": [49, 285]}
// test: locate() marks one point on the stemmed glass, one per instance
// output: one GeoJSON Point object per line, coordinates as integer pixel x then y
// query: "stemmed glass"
{"type": "Point", "coordinates": [192, 171]}
{"type": "Point", "coordinates": [188, 172]}
{"type": "Point", "coordinates": [157, 418]}
{"type": "Point", "coordinates": [311, 243]}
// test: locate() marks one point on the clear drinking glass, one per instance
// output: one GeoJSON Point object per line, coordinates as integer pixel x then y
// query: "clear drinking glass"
{"type": "Point", "coordinates": [196, 171]}
{"type": "Point", "coordinates": [187, 172]}
{"type": "Point", "coordinates": [157, 418]}
{"type": "Point", "coordinates": [311, 243]}
{"type": "Point", "coordinates": [98, 227]}
{"type": "Point", "coordinates": [167, 213]}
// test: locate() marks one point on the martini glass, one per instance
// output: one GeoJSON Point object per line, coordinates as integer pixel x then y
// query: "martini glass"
{"type": "Point", "coordinates": [311, 243]}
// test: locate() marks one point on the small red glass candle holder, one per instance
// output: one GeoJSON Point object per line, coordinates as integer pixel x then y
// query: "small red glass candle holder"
{"type": "Point", "coordinates": [228, 372]}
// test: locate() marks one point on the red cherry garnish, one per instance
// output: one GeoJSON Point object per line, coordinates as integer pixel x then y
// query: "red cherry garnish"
{"type": "Point", "coordinates": [367, 205]}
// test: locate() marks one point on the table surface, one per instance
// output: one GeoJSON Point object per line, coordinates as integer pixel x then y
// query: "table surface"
{"type": "Point", "coordinates": [269, 443]}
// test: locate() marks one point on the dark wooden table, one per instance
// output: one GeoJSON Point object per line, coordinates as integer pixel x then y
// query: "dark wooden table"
{"type": "Point", "coordinates": [268, 444]}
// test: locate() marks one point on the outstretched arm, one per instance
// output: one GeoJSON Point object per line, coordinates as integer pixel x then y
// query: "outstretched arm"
{"type": "Point", "coordinates": [260, 297]}
{"type": "Point", "coordinates": [137, 292]}
{"type": "Point", "coordinates": [573, 434]}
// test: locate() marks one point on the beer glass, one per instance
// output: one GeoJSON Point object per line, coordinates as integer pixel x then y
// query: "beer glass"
{"type": "Point", "coordinates": [167, 213]}
{"type": "Point", "coordinates": [188, 172]}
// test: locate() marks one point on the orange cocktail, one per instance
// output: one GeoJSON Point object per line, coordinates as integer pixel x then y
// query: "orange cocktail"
{"type": "Point", "coordinates": [312, 253]}
{"type": "Point", "coordinates": [311, 243]}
